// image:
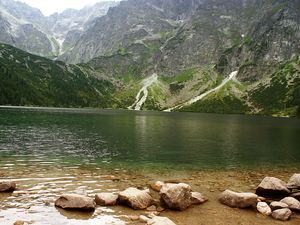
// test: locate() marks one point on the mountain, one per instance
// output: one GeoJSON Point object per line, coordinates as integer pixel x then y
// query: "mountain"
{"type": "Point", "coordinates": [194, 55]}
{"type": "Point", "coordinates": [27, 28]}
{"type": "Point", "coordinates": [19, 29]}
{"type": "Point", "coordinates": [32, 80]}
{"type": "Point", "coordinates": [145, 22]}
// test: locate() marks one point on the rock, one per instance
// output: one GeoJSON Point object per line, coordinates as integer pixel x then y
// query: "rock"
{"type": "Point", "coordinates": [153, 214]}
{"type": "Point", "coordinates": [74, 201]}
{"type": "Point", "coordinates": [238, 200]}
{"type": "Point", "coordinates": [151, 208]}
{"type": "Point", "coordinates": [157, 186]}
{"type": "Point", "coordinates": [263, 208]}
{"type": "Point", "coordinates": [176, 196]}
{"type": "Point", "coordinates": [282, 214]}
{"type": "Point", "coordinates": [197, 198]}
{"type": "Point", "coordinates": [7, 186]}
{"type": "Point", "coordinates": [133, 218]}
{"type": "Point", "coordinates": [143, 218]}
{"type": "Point", "coordinates": [294, 182]}
{"type": "Point", "coordinates": [106, 199]}
{"type": "Point", "coordinates": [272, 186]}
{"type": "Point", "coordinates": [296, 195]}
{"type": "Point", "coordinates": [19, 222]}
{"type": "Point", "coordinates": [160, 209]}
{"type": "Point", "coordinates": [278, 205]}
{"type": "Point", "coordinates": [158, 220]}
{"type": "Point", "coordinates": [292, 203]}
{"type": "Point", "coordinates": [135, 198]}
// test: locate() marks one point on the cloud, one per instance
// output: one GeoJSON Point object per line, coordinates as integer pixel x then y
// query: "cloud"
{"type": "Point", "coordinates": [50, 6]}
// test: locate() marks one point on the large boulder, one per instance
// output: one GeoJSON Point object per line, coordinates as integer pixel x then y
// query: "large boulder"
{"type": "Point", "coordinates": [294, 182]}
{"type": "Point", "coordinates": [158, 220]}
{"type": "Point", "coordinates": [292, 203]}
{"type": "Point", "coordinates": [106, 199]}
{"type": "Point", "coordinates": [176, 196]}
{"type": "Point", "coordinates": [278, 205]}
{"type": "Point", "coordinates": [135, 198]}
{"type": "Point", "coordinates": [272, 186]}
{"type": "Point", "coordinates": [74, 201]}
{"type": "Point", "coordinates": [7, 186]}
{"type": "Point", "coordinates": [282, 214]}
{"type": "Point", "coordinates": [238, 200]}
{"type": "Point", "coordinates": [264, 208]}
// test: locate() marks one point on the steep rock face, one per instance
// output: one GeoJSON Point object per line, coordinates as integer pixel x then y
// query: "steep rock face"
{"type": "Point", "coordinates": [21, 27]}
{"type": "Point", "coordinates": [132, 21]}
{"type": "Point", "coordinates": [27, 28]}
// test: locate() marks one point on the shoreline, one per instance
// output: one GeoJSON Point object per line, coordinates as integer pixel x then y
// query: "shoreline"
{"type": "Point", "coordinates": [36, 196]}
{"type": "Point", "coordinates": [95, 110]}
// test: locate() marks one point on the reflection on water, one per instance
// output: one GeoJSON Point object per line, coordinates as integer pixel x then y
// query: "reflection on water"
{"type": "Point", "coordinates": [54, 151]}
{"type": "Point", "coordinates": [99, 137]}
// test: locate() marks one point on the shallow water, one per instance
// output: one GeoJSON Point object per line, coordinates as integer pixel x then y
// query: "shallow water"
{"type": "Point", "coordinates": [53, 151]}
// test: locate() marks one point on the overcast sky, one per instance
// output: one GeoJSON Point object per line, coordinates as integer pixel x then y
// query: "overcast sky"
{"type": "Point", "coordinates": [50, 6]}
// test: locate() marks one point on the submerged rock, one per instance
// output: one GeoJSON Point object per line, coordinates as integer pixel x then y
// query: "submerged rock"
{"type": "Point", "coordinates": [157, 185]}
{"type": "Point", "coordinates": [282, 214]}
{"type": "Point", "coordinates": [197, 198]}
{"type": "Point", "coordinates": [278, 205]}
{"type": "Point", "coordinates": [294, 182]}
{"type": "Point", "coordinates": [263, 208]}
{"type": "Point", "coordinates": [272, 186]}
{"type": "Point", "coordinates": [176, 196]}
{"type": "Point", "coordinates": [292, 203]}
{"type": "Point", "coordinates": [106, 199]}
{"type": "Point", "coordinates": [135, 198]}
{"type": "Point", "coordinates": [7, 186]}
{"type": "Point", "coordinates": [238, 200]}
{"type": "Point", "coordinates": [143, 218]}
{"type": "Point", "coordinates": [74, 201]}
{"type": "Point", "coordinates": [158, 220]}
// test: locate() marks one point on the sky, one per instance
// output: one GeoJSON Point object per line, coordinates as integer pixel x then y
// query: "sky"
{"type": "Point", "coordinates": [51, 6]}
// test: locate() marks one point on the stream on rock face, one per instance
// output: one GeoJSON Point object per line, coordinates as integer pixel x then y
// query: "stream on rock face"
{"type": "Point", "coordinates": [203, 95]}
{"type": "Point", "coordinates": [49, 152]}
{"type": "Point", "coordinates": [142, 95]}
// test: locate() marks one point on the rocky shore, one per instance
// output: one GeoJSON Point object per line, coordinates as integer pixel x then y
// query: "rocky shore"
{"type": "Point", "coordinates": [272, 198]}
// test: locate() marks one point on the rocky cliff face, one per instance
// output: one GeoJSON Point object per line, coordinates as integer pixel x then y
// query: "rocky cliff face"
{"type": "Point", "coordinates": [133, 21]}
{"type": "Point", "coordinates": [17, 28]}
{"type": "Point", "coordinates": [27, 28]}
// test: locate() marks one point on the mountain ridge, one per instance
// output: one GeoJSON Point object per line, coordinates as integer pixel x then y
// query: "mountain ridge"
{"type": "Point", "coordinates": [193, 46]}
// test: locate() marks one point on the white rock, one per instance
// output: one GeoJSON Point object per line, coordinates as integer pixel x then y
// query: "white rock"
{"type": "Point", "coordinates": [282, 214]}
{"type": "Point", "coordinates": [263, 208]}
{"type": "Point", "coordinates": [144, 218]}
{"type": "Point", "coordinates": [238, 200]}
{"type": "Point", "coordinates": [293, 203]}
{"type": "Point", "coordinates": [158, 220]}
{"type": "Point", "coordinates": [294, 181]}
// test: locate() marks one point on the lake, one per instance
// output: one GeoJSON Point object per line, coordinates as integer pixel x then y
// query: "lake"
{"type": "Point", "coordinates": [50, 151]}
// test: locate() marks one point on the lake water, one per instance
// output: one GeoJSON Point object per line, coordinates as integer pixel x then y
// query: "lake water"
{"type": "Point", "coordinates": [148, 139]}
{"type": "Point", "coordinates": [53, 151]}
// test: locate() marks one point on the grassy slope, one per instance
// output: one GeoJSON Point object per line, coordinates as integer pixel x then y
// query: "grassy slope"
{"type": "Point", "coordinates": [278, 97]}
{"type": "Point", "coordinates": [281, 97]}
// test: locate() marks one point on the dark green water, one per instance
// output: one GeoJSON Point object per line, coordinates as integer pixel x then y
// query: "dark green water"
{"type": "Point", "coordinates": [146, 139]}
